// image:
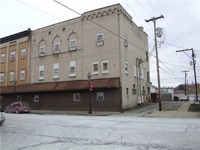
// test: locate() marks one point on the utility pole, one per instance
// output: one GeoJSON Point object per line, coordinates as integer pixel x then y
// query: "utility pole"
{"type": "Point", "coordinates": [157, 61]}
{"type": "Point", "coordinates": [194, 68]}
{"type": "Point", "coordinates": [185, 82]}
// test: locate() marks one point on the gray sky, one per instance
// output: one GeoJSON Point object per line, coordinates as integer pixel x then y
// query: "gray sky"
{"type": "Point", "coordinates": [181, 25]}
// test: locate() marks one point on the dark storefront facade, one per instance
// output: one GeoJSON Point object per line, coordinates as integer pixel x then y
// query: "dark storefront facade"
{"type": "Point", "coordinates": [68, 95]}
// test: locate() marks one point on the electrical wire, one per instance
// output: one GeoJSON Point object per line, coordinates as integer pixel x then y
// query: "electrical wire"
{"type": "Point", "coordinates": [154, 8]}
{"type": "Point", "coordinates": [39, 10]}
{"type": "Point", "coordinates": [101, 26]}
{"type": "Point", "coordinates": [170, 70]}
{"type": "Point", "coordinates": [177, 79]}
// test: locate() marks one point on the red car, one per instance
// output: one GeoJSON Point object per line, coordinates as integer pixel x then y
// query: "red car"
{"type": "Point", "coordinates": [18, 107]}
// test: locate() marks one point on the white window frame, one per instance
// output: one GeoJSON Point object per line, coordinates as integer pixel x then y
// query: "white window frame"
{"type": "Point", "coordinates": [22, 74]}
{"type": "Point", "coordinates": [103, 70]}
{"type": "Point", "coordinates": [100, 94]}
{"type": "Point", "coordinates": [56, 50]}
{"type": "Point", "coordinates": [72, 44]}
{"type": "Point", "coordinates": [3, 57]}
{"type": "Point", "coordinates": [125, 41]}
{"type": "Point", "coordinates": [56, 70]}
{"type": "Point", "coordinates": [126, 67]}
{"type": "Point", "coordinates": [93, 68]}
{"type": "Point", "coordinates": [2, 77]}
{"type": "Point", "coordinates": [19, 98]}
{"type": "Point", "coordinates": [36, 98]}
{"type": "Point", "coordinates": [12, 55]}
{"type": "Point", "coordinates": [41, 69]}
{"type": "Point", "coordinates": [72, 67]}
{"type": "Point", "coordinates": [75, 95]}
{"type": "Point", "coordinates": [99, 41]}
{"type": "Point", "coordinates": [42, 51]}
{"type": "Point", "coordinates": [23, 53]}
{"type": "Point", "coordinates": [12, 76]}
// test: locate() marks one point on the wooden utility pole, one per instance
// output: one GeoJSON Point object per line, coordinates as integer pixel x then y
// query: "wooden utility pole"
{"type": "Point", "coordinates": [185, 82]}
{"type": "Point", "coordinates": [157, 60]}
{"type": "Point", "coordinates": [194, 68]}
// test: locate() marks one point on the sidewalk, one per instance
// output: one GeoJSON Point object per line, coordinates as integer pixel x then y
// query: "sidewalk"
{"type": "Point", "coordinates": [181, 112]}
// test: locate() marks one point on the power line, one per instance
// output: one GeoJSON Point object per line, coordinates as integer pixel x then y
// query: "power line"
{"type": "Point", "coordinates": [175, 64]}
{"type": "Point", "coordinates": [101, 26]}
{"type": "Point", "coordinates": [170, 71]}
{"type": "Point", "coordinates": [39, 10]}
{"type": "Point", "coordinates": [165, 21]}
{"type": "Point", "coordinates": [170, 74]}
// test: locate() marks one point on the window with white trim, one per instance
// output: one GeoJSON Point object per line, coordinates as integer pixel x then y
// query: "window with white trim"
{"type": "Point", "coordinates": [105, 68]}
{"type": "Point", "coordinates": [56, 70]}
{"type": "Point", "coordinates": [126, 67]}
{"type": "Point", "coordinates": [12, 74]}
{"type": "Point", "coordinates": [36, 98]}
{"type": "Point", "coordinates": [99, 39]}
{"type": "Point", "coordinates": [23, 53]}
{"type": "Point", "coordinates": [3, 57]}
{"type": "Point", "coordinates": [41, 72]}
{"type": "Point", "coordinates": [95, 68]}
{"type": "Point", "coordinates": [42, 51]}
{"type": "Point", "coordinates": [125, 41]}
{"type": "Point", "coordinates": [19, 98]}
{"type": "Point", "coordinates": [100, 96]}
{"type": "Point", "coordinates": [127, 91]}
{"type": "Point", "coordinates": [2, 77]}
{"type": "Point", "coordinates": [12, 56]}
{"type": "Point", "coordinates": [72, 68]}
{"type": "Point", "coordinates": [22, 74]}
{"type": "Point", "coordinates": [76, 97]}
{"type": "Point", "coordinates": [56, 48]}
{"type": "Point", "coordinates": [72, 45]}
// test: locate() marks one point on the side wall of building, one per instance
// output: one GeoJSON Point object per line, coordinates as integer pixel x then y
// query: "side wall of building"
{"type": "Point", "coordinates": [134, 46]}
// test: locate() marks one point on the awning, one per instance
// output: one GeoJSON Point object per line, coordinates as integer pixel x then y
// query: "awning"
{"type": "Point", "coordinates": [62, 86]}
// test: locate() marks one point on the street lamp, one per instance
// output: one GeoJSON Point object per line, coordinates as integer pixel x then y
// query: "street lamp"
{"type": "Point", "coordinates": [90, 90]}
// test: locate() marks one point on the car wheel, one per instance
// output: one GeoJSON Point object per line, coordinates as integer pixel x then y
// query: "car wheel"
{"type": "Point", "coordinates": [17, 111]}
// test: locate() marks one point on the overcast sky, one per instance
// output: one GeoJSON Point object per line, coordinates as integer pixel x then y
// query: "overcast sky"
{"type": "Point", "coordinates": [181, 25]}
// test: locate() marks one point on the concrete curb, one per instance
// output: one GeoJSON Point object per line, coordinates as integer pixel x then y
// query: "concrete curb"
{"type": "Point", "coordinates": [81, 113]}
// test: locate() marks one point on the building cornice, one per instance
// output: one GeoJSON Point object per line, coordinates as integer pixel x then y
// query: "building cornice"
{"type": "Point", "coordinates": [105, 11]}
{"type": "Point", "coordinates": [15, 36]}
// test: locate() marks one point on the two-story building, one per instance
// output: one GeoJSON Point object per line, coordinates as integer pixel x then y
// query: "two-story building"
{"type": "Point", "coordinates": [105, 43]}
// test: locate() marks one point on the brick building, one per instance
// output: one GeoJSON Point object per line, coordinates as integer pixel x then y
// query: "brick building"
{"type": "Point", "coordinates": [105, 43]}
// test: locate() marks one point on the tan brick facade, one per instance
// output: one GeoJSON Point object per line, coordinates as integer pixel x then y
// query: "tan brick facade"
{"type": "Point", "coordinates": [105, 42]}
{"type": "Point", "coordinates": [113, 23]}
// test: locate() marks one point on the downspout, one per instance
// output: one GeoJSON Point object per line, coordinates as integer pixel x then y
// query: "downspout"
{"type": "Point", "coordinates": [137, 78]}
{"type": "Point", "coordinates": [29, 57]}
{"type": "Point", "coordinates": [120, 67]}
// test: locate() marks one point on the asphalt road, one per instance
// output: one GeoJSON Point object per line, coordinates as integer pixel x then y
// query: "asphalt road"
{"type": "Point", "coordinates": [116, 132]}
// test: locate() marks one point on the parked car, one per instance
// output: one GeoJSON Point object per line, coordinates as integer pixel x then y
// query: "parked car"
{"type": "Point", "coordinates": [2, 118]}
{"type": "Point", "coordinates": [17, 107]}
{"type": "Point", "coordinates": [184, 98]}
